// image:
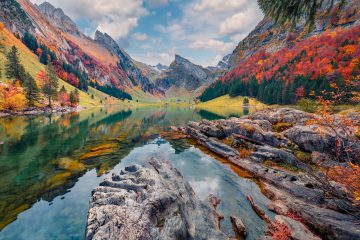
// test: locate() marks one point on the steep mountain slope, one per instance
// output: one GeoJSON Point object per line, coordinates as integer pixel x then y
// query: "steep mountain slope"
{"type": "Point", "coordinates": [184, 74]}
{"type": "Point", "coordinates": [278, 66]}
{"type": "Point", "coordinates": [80, 60]}
{"type": "Point", "coordinates": [32, 65]}
{"type": "Point", "coordinates": [271, 37]}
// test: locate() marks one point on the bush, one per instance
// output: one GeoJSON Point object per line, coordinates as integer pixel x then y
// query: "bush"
{"type": "Point", "coordinates": [246, 101]}
{"type": "Point", "coordinates": [308, 105]}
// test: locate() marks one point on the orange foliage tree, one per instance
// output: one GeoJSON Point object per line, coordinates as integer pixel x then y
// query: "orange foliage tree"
{"type": "Point", "coordinates": [12, 97]}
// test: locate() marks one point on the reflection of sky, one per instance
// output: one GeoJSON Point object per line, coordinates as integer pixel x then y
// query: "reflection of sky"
{"type": "Point", "coordinates": [205, 174]}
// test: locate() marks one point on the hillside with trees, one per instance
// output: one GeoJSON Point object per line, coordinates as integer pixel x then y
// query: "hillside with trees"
{"type": "Point", "coordinates": [308, 69]}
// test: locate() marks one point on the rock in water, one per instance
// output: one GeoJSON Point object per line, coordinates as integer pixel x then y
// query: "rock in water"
{"type": "Point", "coordinates": [152, 202]}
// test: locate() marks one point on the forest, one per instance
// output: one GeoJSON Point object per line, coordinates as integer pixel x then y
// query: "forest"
{"type": "Point", "coordinates": [307, 69]}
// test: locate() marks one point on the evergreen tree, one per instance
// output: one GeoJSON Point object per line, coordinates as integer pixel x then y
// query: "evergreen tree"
{"type": "Point", "coordinates": [31, 90]}
{"type": "Point", "coordinates": [261, 90]}
{"type": "Point", "coordinates": [254, 87]}
{"type": "Point", "coordinates": [30, 41]}
{"type": "Point", "coordinates": [13, 67]}
{"type": "Point", "coordinates": [50, 86]}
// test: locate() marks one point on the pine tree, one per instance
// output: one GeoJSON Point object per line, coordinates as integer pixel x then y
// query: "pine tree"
{"type": "Point", "coordinates": [13, 67]}
{"type": "Point", "coordinates": [74, 98]}
{"type": "Point", "coordinates": [254, 87]}
{"type": "Point", "coordinates": [50, 86]}
{"type": "Point", "coordinates": [31, 90]}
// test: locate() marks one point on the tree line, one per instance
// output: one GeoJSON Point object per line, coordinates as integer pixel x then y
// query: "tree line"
{"type": "Point", "coordinates": [276, 91]}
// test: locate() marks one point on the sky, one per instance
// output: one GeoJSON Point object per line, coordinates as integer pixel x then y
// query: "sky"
{"type": "Point", "coordinates": [153, 31]}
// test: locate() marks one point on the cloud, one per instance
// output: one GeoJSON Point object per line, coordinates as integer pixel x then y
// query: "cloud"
{"type": "Point", "coordinates": [115, 17]}
{"type": "Point", "coordinates": [214, 45]}
{"type": "Point", "coordinates": [155, 57]}
{"type": "Point", "coordinates": [219, 5]}
{"type": "Point", "coordinates": [157, 3]}
{"type": "Point", "coordinates": [140, 36]}
{"type": "Point", "coordinates": [238, 23]}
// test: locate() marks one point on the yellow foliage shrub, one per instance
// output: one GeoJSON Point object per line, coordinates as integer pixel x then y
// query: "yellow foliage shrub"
{"type": "Point", "coordinates": [14, 103]}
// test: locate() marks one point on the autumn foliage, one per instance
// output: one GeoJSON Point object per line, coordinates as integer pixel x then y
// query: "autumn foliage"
{"type": "Point", "coordinates": [349, 177]}
{"type": "Point", "coordinates": [303, 70]}
{"type": "Point", "coordinates": [334, 53]}
{"type": "Point", "coordinates": [12, 97]}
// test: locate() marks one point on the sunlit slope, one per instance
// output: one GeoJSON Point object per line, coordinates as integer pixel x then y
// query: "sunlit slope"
{"type": "Point", "coordinates": [33, 66]}
{"type": "Point", "coordinates": [226, 105]}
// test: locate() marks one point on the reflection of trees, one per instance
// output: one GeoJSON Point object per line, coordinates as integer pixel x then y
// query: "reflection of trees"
{"type": "Point", "coordinates": [208, 115]}
{"type": "Point", "coordinates": [29, 164]}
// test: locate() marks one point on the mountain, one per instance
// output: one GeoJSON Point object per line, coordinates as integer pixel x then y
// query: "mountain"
{"type": "Point", "coordinates": [271, 37]}
{"type": "Point", "coordinates": [224, 64]}
{"type": "Point", "coordinates": [127, 64]}
{"type": "Point", "coordinates": [278, 64]}
{"type": "Point", "coordinates": [159, 67]}
{"type": "Point", "coordinates": [184, 74]}
{"type": "Point", "coordinates": [58, 17]}
{"type": "Point", "coordinates": [79, 60]}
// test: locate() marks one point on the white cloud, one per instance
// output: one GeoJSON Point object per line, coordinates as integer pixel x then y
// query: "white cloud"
{"type": "Point", "coordinates": [239, 23]}
{"type": "Point", "coordinates": [214, 25]}
{"type": "Point", "coordinates": [115, 17]}
{"type": "Point", "coordinates": [219, 5]}
{"type": "Point", "coordinates": [140, 36]}
{"type": "Point", "coordinates": [212, 45]}
{"type": "Point", "coordinates": [155, 57]}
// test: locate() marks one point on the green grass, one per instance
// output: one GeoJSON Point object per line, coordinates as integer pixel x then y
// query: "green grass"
{"type": "Point", "coordinates": [227, 106]}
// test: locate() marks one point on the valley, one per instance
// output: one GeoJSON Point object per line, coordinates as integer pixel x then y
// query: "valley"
{"type": "Point", "coordinates": [137, 119]}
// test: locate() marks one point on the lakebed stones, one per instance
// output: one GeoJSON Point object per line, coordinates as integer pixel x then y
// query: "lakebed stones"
{"type": "Point", "coordinates": [152, 202]}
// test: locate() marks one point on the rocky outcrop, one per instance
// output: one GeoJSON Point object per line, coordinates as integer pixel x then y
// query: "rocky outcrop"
{"type": "Point", "coordinates": [15, 18]}
{"type": "Point", "coordinates": [127, 64]}
{"type": "Point", "coordinates": [323, 205]}
{"type": "Point", "coordinates": [152, 202]}
{"type": "Point", "coordinates": [184, 74]}
{"type": "Point", "coordinates": [57, 17]}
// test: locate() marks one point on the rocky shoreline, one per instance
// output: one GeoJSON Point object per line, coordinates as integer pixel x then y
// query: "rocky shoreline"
{"type": "Point", "coordinates": [154, 201]}
{"type": "Point", "coordinates": [326, 207]}
{"type": "Point", "coordinates": [39, 111]}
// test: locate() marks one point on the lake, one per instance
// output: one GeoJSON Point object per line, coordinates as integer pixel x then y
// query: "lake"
{"type": "Point", "coordinates": [50, 164]}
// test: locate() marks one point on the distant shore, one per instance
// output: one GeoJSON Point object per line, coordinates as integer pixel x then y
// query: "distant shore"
{"type": "Point", "coordinates": [40, 111]}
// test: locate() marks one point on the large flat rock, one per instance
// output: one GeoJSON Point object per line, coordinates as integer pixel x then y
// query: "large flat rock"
{"type": "Point", "coordinates": [152, 202]}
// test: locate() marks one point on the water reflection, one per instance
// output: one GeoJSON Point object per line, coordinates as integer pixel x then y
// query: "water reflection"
{"type": "Point", "coordinates": [46, 158]}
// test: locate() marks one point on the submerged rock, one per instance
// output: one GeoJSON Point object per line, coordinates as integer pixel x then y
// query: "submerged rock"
{"type": "Point", "coordinates": [152, 202]}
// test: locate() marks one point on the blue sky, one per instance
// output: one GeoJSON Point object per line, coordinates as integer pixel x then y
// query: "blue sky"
{"type": "Point", "coordinates": [153, 31]}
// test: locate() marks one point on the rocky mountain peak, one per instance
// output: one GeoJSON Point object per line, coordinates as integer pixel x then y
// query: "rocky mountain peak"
{"type": "Point", "coordinates": [224, 63]}
{"type": "Point", "coordinates": [160, 67]}
{"type": "Point", "coordinates": [57, 17]}
{"type": "Point", "coordinates": [179, 59]}
{"type": "Point", "coordinates": [106, 40]}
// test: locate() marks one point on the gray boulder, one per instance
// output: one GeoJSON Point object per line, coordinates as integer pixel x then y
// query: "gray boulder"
{"type": "Point", "coordinates": [151, 202]}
